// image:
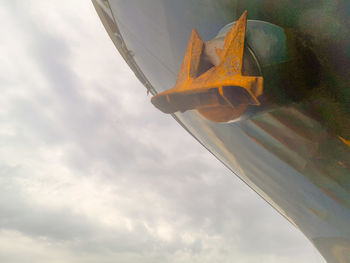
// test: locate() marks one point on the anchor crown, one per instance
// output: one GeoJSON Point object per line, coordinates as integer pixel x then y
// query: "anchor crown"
{"type": "Point", "coordinates": [221, 93]}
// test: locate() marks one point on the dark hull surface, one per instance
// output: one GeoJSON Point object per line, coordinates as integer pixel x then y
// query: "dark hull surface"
{"type": "Point", "coordinates": [292, 156]}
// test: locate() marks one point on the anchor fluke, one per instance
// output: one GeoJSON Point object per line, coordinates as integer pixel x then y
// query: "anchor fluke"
{"type": "Point", "coordinates": [221, 93]}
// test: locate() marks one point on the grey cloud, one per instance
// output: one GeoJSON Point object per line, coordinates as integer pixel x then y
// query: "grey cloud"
{"type": "Point", "coordinates": [32, 220]}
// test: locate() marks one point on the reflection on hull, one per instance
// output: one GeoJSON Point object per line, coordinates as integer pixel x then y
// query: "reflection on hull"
{"type": "Point", "coordinates": [294, 155]}
{"type": "Point", "coordinates": [306, 146]}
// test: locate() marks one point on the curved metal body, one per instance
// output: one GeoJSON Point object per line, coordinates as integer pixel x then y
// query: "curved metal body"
{"type": "Point", "coordinates": [294, 155]}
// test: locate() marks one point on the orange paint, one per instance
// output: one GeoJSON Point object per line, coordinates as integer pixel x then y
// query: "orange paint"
{"type": "Point", "coordinates": [220, 94]}
{"type": "Point", "coordinates": [347, 142]}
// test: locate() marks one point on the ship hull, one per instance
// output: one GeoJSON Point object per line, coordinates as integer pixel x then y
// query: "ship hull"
{"type": "Point", "coordinates": [286, 155]}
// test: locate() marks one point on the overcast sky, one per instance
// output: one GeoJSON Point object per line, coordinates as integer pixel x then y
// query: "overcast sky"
{"type": "Point", "coordinates": [91, 172]}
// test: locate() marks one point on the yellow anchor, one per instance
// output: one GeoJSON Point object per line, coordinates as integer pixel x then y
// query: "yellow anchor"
{"type": "Point", "coordinates": [220, 94]}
